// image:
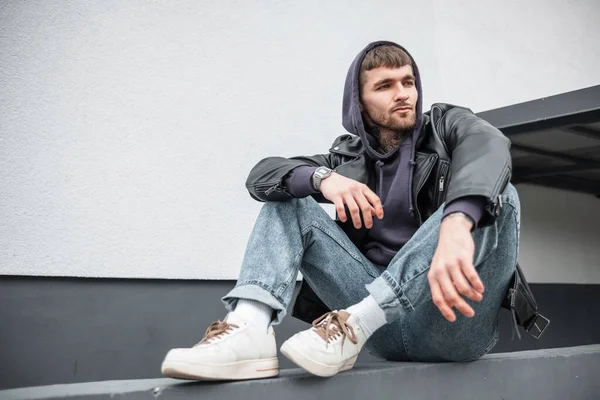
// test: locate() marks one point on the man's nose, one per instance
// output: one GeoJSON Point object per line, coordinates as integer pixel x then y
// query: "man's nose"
{"type": "Point", "coordinates": [401, 94]}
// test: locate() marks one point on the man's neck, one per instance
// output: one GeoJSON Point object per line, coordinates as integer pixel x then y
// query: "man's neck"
{"type": "Point", "coordinates": [389, 140]}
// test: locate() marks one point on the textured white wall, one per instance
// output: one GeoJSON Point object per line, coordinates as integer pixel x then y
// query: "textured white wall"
{"type": "Point", "coordinates": [127, 128]}
{"type": "Point", "coordinates": [493, 54]}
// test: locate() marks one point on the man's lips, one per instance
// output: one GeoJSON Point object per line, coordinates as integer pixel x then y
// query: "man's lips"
{"type": "Point", "coordinates": [403, 109]}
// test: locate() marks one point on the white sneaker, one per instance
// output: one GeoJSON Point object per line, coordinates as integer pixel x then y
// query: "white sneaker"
{"type": "Point", "coordinates": [330, 346]}
{"type": "Point", "coordinates": [232, 349]}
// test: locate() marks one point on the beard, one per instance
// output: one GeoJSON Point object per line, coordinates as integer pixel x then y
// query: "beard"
{"type": "Point", "coordinates": [390, 121]}
{"type": "Point", "coordinates": [402, 128]}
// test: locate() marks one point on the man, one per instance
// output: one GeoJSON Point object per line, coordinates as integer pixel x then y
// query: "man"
{"type": "Point", "coordinates": [418, 260]}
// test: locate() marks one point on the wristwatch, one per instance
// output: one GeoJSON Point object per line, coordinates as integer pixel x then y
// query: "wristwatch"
{"type": "Point", "coordinates": [320, 174]}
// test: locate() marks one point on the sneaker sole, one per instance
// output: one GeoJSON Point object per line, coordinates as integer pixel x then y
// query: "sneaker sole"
{"type": "Point", "coordinates": [241, 370]}
{"type": "Point", "coordinates": [312, 366]}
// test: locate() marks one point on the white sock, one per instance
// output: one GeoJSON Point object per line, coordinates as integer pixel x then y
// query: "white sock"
{"type": "Point", "coordinates": [255, 312]}
{"type": "Point", "coordinates": [370, 316]}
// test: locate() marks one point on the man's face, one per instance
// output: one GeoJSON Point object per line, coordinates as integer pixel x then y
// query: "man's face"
{"type": "Point", "coordinates": [389, 98]}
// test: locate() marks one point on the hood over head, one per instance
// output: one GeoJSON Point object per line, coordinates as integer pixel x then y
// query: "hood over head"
{"type": "Point", "coordinates": [352, 119]}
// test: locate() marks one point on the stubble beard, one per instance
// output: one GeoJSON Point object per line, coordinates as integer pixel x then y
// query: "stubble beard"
{"type": "Point", "coordinates": [401, 127]}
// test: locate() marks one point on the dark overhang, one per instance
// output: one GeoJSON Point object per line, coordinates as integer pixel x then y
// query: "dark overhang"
{"type": "Point", "coordinates": [555, 140]}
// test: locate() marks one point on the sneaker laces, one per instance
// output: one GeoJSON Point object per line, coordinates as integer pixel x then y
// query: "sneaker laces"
{"type": "Point", "coordinates": [331, 325]}
{"type": "Point", "coordinates": [216, 330]}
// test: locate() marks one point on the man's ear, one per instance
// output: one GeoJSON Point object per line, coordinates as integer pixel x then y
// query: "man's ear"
{"type": "Point", "coordinates": [360, 107]}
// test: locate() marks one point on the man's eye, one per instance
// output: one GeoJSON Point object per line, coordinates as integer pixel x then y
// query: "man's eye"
{"type": "Point", "coordinates": [382, 87]}
{"type": "Point", "coordinates": [409, 84]}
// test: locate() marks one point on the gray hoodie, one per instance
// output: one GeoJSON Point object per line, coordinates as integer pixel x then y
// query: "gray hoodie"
{"type": "Point", "coordinates": [394, 172]}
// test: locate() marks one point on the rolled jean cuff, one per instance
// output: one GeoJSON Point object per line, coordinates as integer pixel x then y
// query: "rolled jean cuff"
{"type": "Point", "coordinates": [255, 291]}
{"type": "Point", "coordinates": [390, 297]}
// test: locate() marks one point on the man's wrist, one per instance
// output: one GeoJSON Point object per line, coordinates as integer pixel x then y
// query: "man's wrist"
{"type": "Point", "coordinates": [472, 206]}
{"type": "Point", "coordinates": [318, 176]}
{"type": "Point", "coordinates": [298, 182]}
{"type": "Point", "coordinates": [457, 215]}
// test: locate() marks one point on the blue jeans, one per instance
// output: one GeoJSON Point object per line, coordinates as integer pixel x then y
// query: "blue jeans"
{"type": "Point", "coordinates": [299, 236]}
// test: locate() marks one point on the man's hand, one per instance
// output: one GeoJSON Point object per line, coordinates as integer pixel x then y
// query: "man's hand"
{"type": "Point", "coordinates": [358, 197]}
{"type": "Point", "coordinates": [452, 273]}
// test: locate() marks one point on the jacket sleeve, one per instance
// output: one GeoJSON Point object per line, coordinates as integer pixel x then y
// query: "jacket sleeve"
{"type": "Point", "coordinates": [266, 180]}
{"type": "Point", "coordinates": [481, 161]}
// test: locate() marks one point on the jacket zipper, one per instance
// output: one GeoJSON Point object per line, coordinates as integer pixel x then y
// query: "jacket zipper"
{"type": "Point", "coordinates": [268, 187]}
{"type": "Point", "coordinates": [430, 163]}
{"type": "Point", "coordinates": [497, 202]}
{"type": "Point", "coordinates": [440, 194]}
{"type": "Point", "coordinates": [441, 185]}
{"type": "Point", "coordinates": [270, 190]}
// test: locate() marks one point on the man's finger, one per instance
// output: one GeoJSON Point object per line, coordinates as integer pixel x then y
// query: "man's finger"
{"type": "Point", "coordinates": [439, 300]}
{"type": "Point", "coordinates": [453, 298]}
{"type": "Point", "coordinates": [463, 286]}
{"type": "Point", "coordinates": [354, 210]}
{"type": "Point", "coordinates": [365, 208]}
{"type": "Point", "coordinates": [339, 208]}
{"type": "Point", "coordinates": [374, 200]}
{"type": "Point", "coordinates": [469, 271]}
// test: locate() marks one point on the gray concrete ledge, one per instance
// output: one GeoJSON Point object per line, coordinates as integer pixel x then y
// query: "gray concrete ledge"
{"type": "Point", "coordinates": [564, 373]}
{"type": "Point", "coordinates": [47, 345]}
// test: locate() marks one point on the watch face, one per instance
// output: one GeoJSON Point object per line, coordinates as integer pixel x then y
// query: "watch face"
{"type": "Point", "coordinates": [322, 170]}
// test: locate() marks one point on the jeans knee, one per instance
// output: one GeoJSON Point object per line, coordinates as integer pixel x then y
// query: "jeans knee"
{"type": "Point", "coordinates": [304, 210]}
{"type": "Point", "coordinates": [511, 196]}
{"type": "Point", "coordinates": [286, 207]}
{"type": "Point", "coordinates": [292, 203]}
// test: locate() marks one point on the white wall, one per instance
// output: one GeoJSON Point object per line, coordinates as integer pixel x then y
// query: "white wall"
{"type": "Point", "coordinates": [492, 54]}
{"type": "Point", "coordinates": [127, 128]}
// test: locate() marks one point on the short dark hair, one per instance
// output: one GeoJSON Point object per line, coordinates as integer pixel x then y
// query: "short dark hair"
{"type": "Point", "coordinates": [383, 56]}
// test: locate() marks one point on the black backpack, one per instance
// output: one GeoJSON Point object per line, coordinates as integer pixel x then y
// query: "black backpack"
{"type": "Point", "coordinates": [520, 302]}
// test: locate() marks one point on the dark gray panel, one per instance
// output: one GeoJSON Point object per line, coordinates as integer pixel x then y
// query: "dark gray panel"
{"type": "Point", "coordinates": [592, 153]}
{"type": "Point", "coordinates": [547, 132]}
{"type": "Point", "coordinates": [77, 330]}
{"type": "Point", "coordinates": [561, 140]}
{"type": "Point", "coordinates": [569, 373]}
{"type": "Point", "coordinates": [578, 107]}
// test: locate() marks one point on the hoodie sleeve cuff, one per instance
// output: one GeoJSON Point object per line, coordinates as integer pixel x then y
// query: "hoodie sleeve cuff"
{"type": "Point", "coordinates": [472, 206]}
{"type": "Point", "coordinates": [299, 181]}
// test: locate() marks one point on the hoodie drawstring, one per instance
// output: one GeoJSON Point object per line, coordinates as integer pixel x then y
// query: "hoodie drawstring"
{"type": "Point", "coordinates": [412, 164]}
{"type": "Point", "coordinates": [379, 165]}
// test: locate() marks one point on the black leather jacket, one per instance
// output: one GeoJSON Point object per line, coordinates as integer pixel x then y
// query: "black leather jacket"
{"type": "Point", "coordinates": [457, 154]}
